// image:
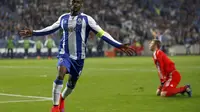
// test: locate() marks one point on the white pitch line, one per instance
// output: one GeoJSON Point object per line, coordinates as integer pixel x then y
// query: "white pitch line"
{"type": "Point", "coordinates": [24, 96]}
{"type": "Point", "coordinates": [21, 101]}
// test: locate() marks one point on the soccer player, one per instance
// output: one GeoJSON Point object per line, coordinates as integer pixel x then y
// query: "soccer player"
{"type": "Point", "coordinates": [169, 76]}
{"type": "Point", "coordinates": [49, 43]}
{"type": "Point", "coordinates": [10, 46]}
{"type": "Point", "coordinates": [38, 46]}
{"type": "Point", "coordinates": [76, 27]}
{"type": "Point", "coordinates": [27, 44]}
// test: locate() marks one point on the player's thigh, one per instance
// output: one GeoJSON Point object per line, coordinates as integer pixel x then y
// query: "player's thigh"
{"type": "Point", "coordinates": [173, 81]}
{"type": "Point", "coordinates": [75, 72]}
{"type": "Point", "coordinates": [168, 86]}
{"type": "Point", "coordinates": [61, 72]}
{"type": "Point", "coordinates": [176, 77]}
{"type": "Point", "coordinates": [63, 67]}
{"type": "Point", "coordinates": [76, 67]}
{"type": "Point", "coordinates": [72, 80]}
{"type": "Point", "coordinates": [73, 77]}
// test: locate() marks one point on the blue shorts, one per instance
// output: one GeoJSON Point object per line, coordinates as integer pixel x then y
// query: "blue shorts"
{"type": "Point", "coordinates": [74, 67]}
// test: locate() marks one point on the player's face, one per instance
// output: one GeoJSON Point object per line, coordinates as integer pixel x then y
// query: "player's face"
{"type": "Point", "coordinates": [152, 46]}
{"type": "Point", "coordinates": [76, 5]}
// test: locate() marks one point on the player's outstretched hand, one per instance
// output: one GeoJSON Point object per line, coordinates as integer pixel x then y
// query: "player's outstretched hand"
{"type": "Point", "coordinates": [127, 49]}
{"type": "Point", "coordinates": [25, 33]}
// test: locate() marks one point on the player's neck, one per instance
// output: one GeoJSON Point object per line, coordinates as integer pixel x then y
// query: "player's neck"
{"type": "Point", "coordinates": [156, 49]}
{"type": "Point", "coordinates": [73, 13]}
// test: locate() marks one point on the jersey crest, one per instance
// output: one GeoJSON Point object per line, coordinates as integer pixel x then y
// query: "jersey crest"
{"type": "Point", "coordinates": [79, 21]}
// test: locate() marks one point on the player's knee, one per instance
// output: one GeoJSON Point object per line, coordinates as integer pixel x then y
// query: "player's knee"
{"type": "Point", "coordinates": [72, 82]}
{"type": "Point", "coordinates": [163, 94]}
{"type": "Point", "coordinates": [60, 77]}
{"type": "Point", "coordinates": [61, 72]}
{"type": "Point", "coordinates": [71, 85]}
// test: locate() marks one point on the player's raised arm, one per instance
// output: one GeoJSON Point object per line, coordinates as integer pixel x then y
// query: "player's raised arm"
{"type": "Point", "coordinates": [46, 31]}
{"type": "Point", "coordinates": [107, 37]}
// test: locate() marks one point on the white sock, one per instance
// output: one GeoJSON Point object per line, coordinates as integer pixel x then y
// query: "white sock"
{"type": "Point", "coordinates": [66, 92]}
{"type": "Point", "coordinates": [56, 93]}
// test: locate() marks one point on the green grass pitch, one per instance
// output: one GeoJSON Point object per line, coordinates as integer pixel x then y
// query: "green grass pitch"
{"type": "Point", "coordinates": [106, 85]}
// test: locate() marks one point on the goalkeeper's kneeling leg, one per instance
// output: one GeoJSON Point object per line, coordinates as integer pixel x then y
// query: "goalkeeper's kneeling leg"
{"type": "Point", "coordinates": [172, 91]}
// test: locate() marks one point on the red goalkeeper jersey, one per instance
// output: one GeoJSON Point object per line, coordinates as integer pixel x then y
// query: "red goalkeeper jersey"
{"type": "Point", "coordinates": [164, 65]}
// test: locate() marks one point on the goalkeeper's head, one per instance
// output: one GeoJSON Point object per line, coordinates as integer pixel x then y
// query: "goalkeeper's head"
{"type": "Point", "coordinates": [155, 45]}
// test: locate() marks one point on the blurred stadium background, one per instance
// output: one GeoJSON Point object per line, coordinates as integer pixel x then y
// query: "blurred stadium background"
{"type": "Point", "coordinates": [175, 22]}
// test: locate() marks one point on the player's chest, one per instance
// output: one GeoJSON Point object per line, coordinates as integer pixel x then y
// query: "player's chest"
{"type": "Point", "coordinates": [73, 24]}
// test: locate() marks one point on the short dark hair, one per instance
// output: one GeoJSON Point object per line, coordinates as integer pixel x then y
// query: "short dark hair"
{"type": "Point", "coordinates": [157, 42]}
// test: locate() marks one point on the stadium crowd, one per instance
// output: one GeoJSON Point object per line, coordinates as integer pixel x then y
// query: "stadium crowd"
{"type": "Point", "coordinates": [178, 21]}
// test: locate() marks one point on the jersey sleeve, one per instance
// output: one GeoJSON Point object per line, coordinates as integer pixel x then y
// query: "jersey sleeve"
{"type": "Point", "coordinates": [102, 34]}
{"type": "Point", "coordinates": [160, 66]}
{"type": "Point", "coordinates": [48, 30]}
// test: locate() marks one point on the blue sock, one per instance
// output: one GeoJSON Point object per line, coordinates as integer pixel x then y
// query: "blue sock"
{"type": "Point", "coordinates": [58, 82]}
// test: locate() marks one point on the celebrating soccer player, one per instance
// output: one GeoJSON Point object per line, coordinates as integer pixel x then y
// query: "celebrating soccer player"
{"type": "Point", "coordinates": [169, 76]}
{"type": "Point", "coordinates": [76, 27]}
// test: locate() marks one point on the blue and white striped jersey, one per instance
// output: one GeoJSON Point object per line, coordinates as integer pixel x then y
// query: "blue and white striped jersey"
{"type": "Point", "coordinates": [75, 34]}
